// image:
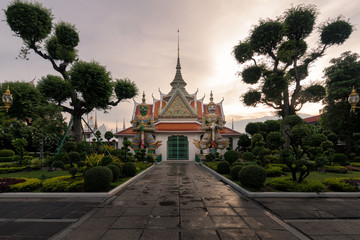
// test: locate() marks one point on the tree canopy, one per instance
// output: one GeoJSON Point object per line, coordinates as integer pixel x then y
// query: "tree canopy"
{"type": "Point", "coordinates": [85, 85]}
{"type": "Point", "coordinates": [277, 58]}
{"type": "Point", "coordinates": [341, 77]}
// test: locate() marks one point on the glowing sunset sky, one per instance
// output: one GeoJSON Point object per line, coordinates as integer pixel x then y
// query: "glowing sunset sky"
{"type": "Point", "coordinates": [137, 39]}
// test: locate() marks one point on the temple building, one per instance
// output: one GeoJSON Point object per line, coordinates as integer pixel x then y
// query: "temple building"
{"type": "Point", "coordinates": [176, 123]}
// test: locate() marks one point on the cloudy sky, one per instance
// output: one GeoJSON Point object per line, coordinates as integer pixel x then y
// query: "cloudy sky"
{"type": "Point", "coordinates": [137, 39]}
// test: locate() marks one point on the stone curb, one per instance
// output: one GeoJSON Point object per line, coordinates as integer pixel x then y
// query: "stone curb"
{"type": "Point", "coordinates": [77, 195]}
{"type": "Point", "coordinates": [281, 194]}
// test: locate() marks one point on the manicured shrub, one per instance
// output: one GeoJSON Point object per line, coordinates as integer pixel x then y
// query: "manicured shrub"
{"type": "Point", "coordinates": [76, 186]}
{"type": "Point", "coordinates": [8, 159]}
{"type": "Point", "coordinates": [282, 184]}
{"type": "Point", "coordinates": [12, 169]}
{"type": "Point", "coordinates": [118, 165]}
{"type": "Point", "coordinates": [234, 172]}
{"type": "Point", "coordinates": [7, 153]}
{"type": "Point", "coordinates": [311, 186]}
{"type": "Point", "coordinates": [248, 156]}
{"type": "Point", "coordinates": [5, 183]}
{"type": "Point", "coordinates": [36, 163]}
{"type": "Point", "coordinates": [252, 176]}
{"type": "Point", "coordinates": [61, 157]}
{"type": "Point", "coordinates": [223, 167]}
{"type": "Point", "coordinates": [236, 164]}
{"type": "Point", "coordinates": [273, 171]}
{"type": "Point", "coordinates": [70, 146]}
{"type": "Point", "coordinates": [284, 168]}
{"type": "Point", "coordinates": [339, 185]}
{"type": "Point", "coordinates": [97, 179]}
{"type": "Point", "coordinates": [336, 169]}
{"type": "Point", "coordinates": [73, 172]}
{"type": "Point", "coordinates": [357, 159]}
{"type": "Point", "coordinates": [352, 168]}
{"type": "Point", "coordinates": [231, 156]}
{"type": "Point", "coordinates": [129, 169]}
{"type": "Point", "coordinates": [30, 184]}
{"type": "Point", "coordinates": [115, 171]}
{"type": "Point", "coordinates": [355, 164]}
{"type": "Point", "coordinates": [271, 159]}
{"type": "Point", "coordinates": [58, 164]}
{"type": "Point", "coordinates": [339, 158]}
{"type": "Point", "coordinates": [56, 184]}
{"type": "Point", "coordinates": [74, 157]}
{"type": "Point", "coordinates": [106, 160]}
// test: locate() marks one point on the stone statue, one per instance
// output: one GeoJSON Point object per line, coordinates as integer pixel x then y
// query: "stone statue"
{"type": "Point", "coordinates": [212, 123]}
{"type": "Point", "coordinates": [143, 124]}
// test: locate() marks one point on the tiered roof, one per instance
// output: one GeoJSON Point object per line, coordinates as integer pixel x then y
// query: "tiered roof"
{"type": "Point", "coordinates": [178, 111]}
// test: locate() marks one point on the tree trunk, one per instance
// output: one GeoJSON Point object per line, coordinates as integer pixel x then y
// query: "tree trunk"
{"type": "Point", "coordinates": [77, 128]}
{"type": "Point", "coordinates": [285, 113]}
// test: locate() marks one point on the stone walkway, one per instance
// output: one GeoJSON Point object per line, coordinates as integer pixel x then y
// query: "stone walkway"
{"type": "Point", "coordinates": [179, 200]}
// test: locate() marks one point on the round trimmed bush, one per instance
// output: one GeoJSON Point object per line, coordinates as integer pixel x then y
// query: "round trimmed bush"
{"type": "Point", "coordinates": [223, 167]}
{"type": "Point", "coordinates": [73, 172]}
{"type": "Point", "coordinates": [61, 157]}
{"type": "Point", "coordinates": [74, 157]}
{"type": "Point", "coordinates": [252, 176]}
{"type": "Point", "coordinates": [70, 146]}
{"type": "Point", "coordinates": [106, 160]}
{"type": "Point", "coordinates": [129, 169]}
{"type": "Point", "coordinates": [7, 153]}
{"type": "Point", "coordinates": [236, 164]}
{"type": "Point", "coordinates": [231, 156]}
{"type": "Point", "coordinates": [58, 164]}
{"type": "Point", "coordinates": [118, 165]}
{"type": "Point", "coordinates": [97, 179]}
{"type": "Point", "coordinates": [248, 156]}
{"type": "Point", "coordinates": [234, 172]}
{"type": "Point", "coordinates": [115, 171]}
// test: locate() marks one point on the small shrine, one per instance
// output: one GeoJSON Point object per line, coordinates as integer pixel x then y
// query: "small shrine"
{"type": "Point", "coordinates": [179, 125]}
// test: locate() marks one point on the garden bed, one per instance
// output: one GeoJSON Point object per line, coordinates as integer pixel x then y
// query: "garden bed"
{"type": "Point", "coordinates": [56, 181]}
{"type": "Point", "coordinates": [316, 182]}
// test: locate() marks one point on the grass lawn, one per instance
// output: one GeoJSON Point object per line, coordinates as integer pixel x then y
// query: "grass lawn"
{"type": "Point", "coordinates": [35, 174]}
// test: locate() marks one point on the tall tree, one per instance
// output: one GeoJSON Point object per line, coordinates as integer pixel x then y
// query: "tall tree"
{"type": "Point", "coordinates": [341, 76]}
{"type": "Point", "coordinates": [87, 85]}
{"type": "Point", "coordinates": [277, 59]}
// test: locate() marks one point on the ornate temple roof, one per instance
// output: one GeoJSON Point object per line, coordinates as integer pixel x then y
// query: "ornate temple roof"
{"type": "Point", "coordinates": [178, 111]}
{"type": "Point", "coordinates": [190, 127]}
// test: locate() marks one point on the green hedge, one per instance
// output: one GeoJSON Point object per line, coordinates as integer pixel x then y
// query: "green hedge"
{"type": "Point", "coordinates": [287, 185]}
{"type": "Point", "coordinates": [342, 184]}
{"type": "Point", "coordinates": [336, 169]}
{"type": "Point", "coordinates": [273, 171]}
{"type": "Point", "coordinates": [63, 184]}
{"type": "Point", "coordinates": [29, 185]}
{"type": "Point", "coordinates": [12, 169]}
{"type": "Point", "coordinates": [6, 153]}
{"type": "Point", "coordinates": [7, 159]}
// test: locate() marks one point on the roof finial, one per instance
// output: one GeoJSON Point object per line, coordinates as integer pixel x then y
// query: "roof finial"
{"type": "Point", "coordinates": [178, 44]}
{"type": "Point", "coordinates": [211, 96]}
{"type": "Point", "coordinates": [143, 99]}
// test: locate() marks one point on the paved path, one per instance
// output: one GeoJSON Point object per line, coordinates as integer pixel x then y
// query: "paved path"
{"type": "Point", "coordinates": [40, 218]}
{"type": "Point", "coordinates": [319, 218]}
{"type": "Point", "coordinates": [179, 201]}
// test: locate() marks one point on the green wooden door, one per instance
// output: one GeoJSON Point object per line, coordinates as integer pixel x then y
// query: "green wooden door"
{"type": "Point", "coordinates": [177, 148]}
